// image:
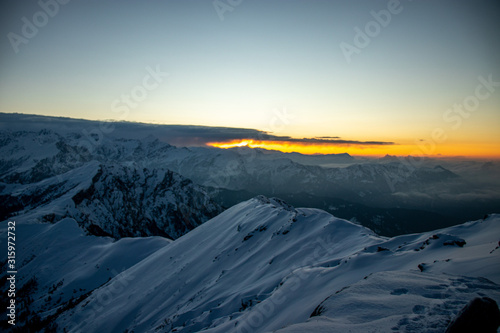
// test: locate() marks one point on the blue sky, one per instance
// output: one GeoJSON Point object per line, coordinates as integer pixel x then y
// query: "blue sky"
{"type": "Point", "coordinates": [262, 58]}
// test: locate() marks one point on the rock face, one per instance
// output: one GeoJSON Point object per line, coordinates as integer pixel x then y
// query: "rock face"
{"type": "Point", "coordinates": [128, 202]}
{"type": "Point", "coordinates": [114, 200]}
{"type": "Point", "coordinates": [480, 315]}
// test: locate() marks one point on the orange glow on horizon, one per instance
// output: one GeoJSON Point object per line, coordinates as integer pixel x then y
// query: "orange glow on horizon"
{"type": "Point", "coordinates": [312, 148]}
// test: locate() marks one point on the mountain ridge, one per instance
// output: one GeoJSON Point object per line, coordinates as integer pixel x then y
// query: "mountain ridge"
{"type": "Point", "coordinates": [264, 259]}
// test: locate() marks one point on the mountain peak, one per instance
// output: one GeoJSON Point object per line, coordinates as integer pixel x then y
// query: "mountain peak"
{"type": "Point", "coordinates": [277, 202]}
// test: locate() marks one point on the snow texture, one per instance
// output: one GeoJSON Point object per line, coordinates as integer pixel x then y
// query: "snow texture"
{"type": "Point", "coordinates": [263, 266]}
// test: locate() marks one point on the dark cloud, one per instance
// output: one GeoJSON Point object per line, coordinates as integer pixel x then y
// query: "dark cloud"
{"type": "Point", "coordinates": [328, 137]}
{"type": "Point", "coordinates": [338, 141]}
{"type": "Point", "coordinates": [201, 135]}
{"type": "Point", "coordinates": [178, 135]}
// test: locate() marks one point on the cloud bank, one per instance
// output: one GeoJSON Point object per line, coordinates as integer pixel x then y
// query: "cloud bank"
{"type": "Point", "coordinates": [178, 135]}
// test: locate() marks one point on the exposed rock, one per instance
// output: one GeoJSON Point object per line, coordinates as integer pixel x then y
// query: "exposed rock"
{"type": "Point", "coordinates": [480, 315]}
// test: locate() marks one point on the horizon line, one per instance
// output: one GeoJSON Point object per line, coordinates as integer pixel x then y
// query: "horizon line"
{"type": "Point", "coordinates": [306, 146]}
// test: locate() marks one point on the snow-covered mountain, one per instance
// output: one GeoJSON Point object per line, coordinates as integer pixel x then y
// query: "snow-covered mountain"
{"type": "Point", "coordinates": [46, 158]}
{"type": "Point", "coordinates": [46, 177]}
{"type": "Point", "coordinates": [261, 172]}
{"type": "Point", "coordinates": [260, 266]}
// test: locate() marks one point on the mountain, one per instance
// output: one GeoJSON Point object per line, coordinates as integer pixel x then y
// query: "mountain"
{"type": "Point", "coordinates": [319, 159]}
{"type": "Point", "coordinates": [46, 177]}
{"type": "Point", "coordinates": [126, 201]}
{"type": "Point", "coordinates": [263, 172]}
{"type": "Point", "coordinates": [260, 266]}
{"type": "Point", "coordinates": [392, 196]}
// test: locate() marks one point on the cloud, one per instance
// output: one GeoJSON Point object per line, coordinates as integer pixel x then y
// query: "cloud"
{"type": "Point", "coordinates": [412, 195]}
{"type": "Point", "coordinates": [201, 135]}
{"type": "Point", "coordinates": [178, 135]}
{"type": "Point", "coordinates": [328, 137]}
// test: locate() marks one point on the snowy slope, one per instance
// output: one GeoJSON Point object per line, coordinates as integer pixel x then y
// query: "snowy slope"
{"type": "Point", "coordinates": [396, 301]}
{"type": "Point", "coordinates": [264, 265]}
{"type": "Point", "coordinates": [59, 264]}
{"type": "Point", "coordinates": [234, 261]}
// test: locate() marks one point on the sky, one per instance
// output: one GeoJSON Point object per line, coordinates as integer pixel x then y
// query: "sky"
{"type": "Point", "coordinates": [363, 77]}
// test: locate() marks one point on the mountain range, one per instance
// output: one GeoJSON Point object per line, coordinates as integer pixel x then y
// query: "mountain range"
{"type": "Point", "coordinates": [391, 195]}
{"type": "Point", "coordinates": [124, 232]}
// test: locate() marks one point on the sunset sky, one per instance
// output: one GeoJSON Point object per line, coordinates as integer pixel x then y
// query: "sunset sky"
{"type": "Point", "coordinates": [422, 77]}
